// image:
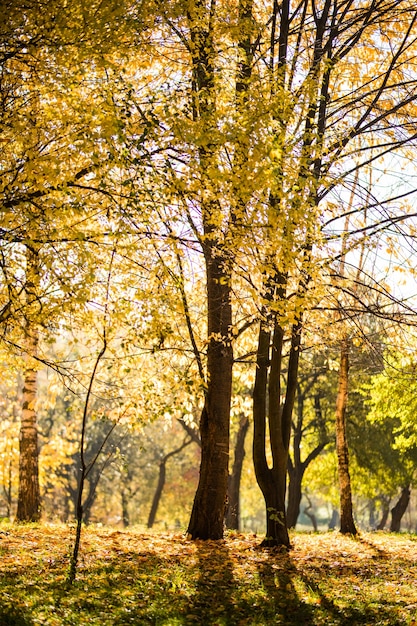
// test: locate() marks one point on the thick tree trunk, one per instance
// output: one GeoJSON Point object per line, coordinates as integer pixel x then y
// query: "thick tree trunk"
{"type": "Point", "coordinates": [276, 522]}
{"type": "Point", "coordinates": [207, 516]}
{"type": "Point", "coordinates": [29, 499]}
{"type": "Point", "coordinates": [233, 504]}
{"type": "Point", "coordinates": [399, 509]}
{"type": "Point", "coordinates": [347, 525]}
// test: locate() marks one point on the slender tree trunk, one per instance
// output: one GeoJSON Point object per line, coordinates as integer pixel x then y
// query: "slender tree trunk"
{"type": "Point", "coordinates": [158, 492]}
{"type": "Point", "coordinates": [347, 525]}
{"type": "Point", "coordinates": [308, 510]}
{"type": "Point", "coordinates": [297, 467]}
{"type": "Point", "coordinates": [233, 505]}
{"type": "Point", "coordinates": [29, 499]}
{"type": "Point", "coordinates": [385, 513]}
{"type": "Point", "coordinates": [334, 519]}
{"type": "Point", "coordinates": [161, 481]}
{"type": "Point", "coordinates": [399, 509]}
{"type": "Point", "coordinates": [125, 508]}
{"type": "Point", "coordinates": [266, 404]}
{"type": "Point", "coordinates": [294, 495]}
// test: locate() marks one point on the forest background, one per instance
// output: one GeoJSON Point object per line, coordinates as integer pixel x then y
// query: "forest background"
{"type": "Point", "coordinates": [207, 238]}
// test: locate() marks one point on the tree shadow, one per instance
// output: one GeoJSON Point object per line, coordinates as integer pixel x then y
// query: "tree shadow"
{"type": "Point", "coordinates": [10, 616]}
{"type": "Point", "coordinates": [213, 599]}
{"type": "Point", "coordinates": [350, 616]}
{"type": "Point", "coordinates": [276, 572]}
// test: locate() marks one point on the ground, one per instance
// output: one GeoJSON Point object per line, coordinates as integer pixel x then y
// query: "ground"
{"type": "Point", "coordinates": [131, 577]}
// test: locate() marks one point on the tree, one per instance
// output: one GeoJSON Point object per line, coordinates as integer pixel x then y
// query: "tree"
{"type": "Point", "coordinates": [309, 428]}
{"type": "Point", "coordinates": [161, 480]}
{"type": "Point", "coordinates": [29, 499]}
{"type": "Point", "coordinates": [312, 159]}
{"type": "Point", "coordinates": [233, 492]}
{"type": "Point", "coordinates": [390, 397]}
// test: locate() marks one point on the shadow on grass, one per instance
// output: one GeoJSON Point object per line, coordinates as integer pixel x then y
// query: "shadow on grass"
{"type": "Point", "coordinates": [10, 616]}
{"type": "Point", "coordinates": [277, 572]}
{"type": "Point", "coordinates": [214, 597]}
{"type": "Point", "coordinates": [204, 583]}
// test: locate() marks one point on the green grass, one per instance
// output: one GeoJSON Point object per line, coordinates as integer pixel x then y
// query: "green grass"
{"type": "Point", "coordinates": [134, 578]}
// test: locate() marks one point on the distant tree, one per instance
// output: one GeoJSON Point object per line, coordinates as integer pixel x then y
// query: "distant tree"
{"type": "Point", "coordinates": [310, 428]}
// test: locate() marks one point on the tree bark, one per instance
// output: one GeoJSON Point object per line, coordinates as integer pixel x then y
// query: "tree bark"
{"type": "Point", "coordinates": [207, 516]}
{"type": "Point", "coordinates": [233, 504]}
{"type": "Point", "coordinates": [347, 524]}
{"type": "Point", "coordinates": [399, 509]}
{"type": "Point", "coordinates": [29, 499]}
{"type": "Point", "coordinates": [266, 404]}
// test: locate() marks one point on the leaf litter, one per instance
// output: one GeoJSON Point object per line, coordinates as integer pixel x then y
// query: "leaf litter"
{"type": "Point", "coordinates": [131, 577]}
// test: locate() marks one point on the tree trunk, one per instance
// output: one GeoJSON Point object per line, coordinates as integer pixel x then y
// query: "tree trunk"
{"type": "Point", "coordinates": [207, 516]}
{"type": "Point", "coordinates": [158, 492]}
{"type": "Point", "coordinates": [385, 513]}
{"type": "Point", "coordinates": [347, 525]}
{"type": "Point", "coordinates": [266, 403]}
{"type": "Point", "coordinates": [297, 467]}
{"type": "Point", "coordinates": [296, 474]}
{"type": "Point", "coordinates": [308, 510]}
{"type": "Point", "coordinates": [334, 519]}
{"type": "Point", "coordinates": [233, 504]}
{"type": "Point", "coordinates": [161, 480]}
{"type": "Point", "coordinates": [29, 499]}
{"type": "Point", "coordinates": [125, 508]}
{"type": "Point", "coordinates": [399, 509]}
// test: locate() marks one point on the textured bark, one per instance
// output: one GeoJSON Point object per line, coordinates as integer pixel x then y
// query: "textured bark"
{"type": "Point", "coordinates": [266, 406]}
{"type": "Point", "coordinates": [207, 516]}
{"type": "Point", "coordinates": [399, 509]}
{"type": "Point", "coordinates": [233, 504]}
{"type": "Point", "coordinates": [347, 524]}
{"type": "Point", "coordinates": [29, 499]}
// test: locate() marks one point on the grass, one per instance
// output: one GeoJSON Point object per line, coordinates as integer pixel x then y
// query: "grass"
{"type": "Point", "coordinates": [127, 577]}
